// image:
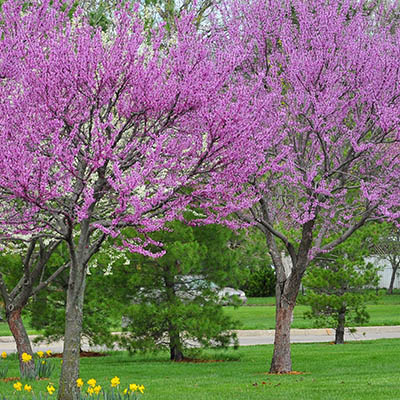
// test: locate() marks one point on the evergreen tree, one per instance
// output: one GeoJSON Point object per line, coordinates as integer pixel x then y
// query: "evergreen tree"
{"type": "Point", "coordinates": [176, 296]}
{"type": "Point", "coordinates": [337, 285]}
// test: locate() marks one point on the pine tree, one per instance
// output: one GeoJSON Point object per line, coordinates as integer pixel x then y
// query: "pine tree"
{"type": "Point", "coordinates": [176, 296]}
{"type": "Point", "coordinates": [337, 285]}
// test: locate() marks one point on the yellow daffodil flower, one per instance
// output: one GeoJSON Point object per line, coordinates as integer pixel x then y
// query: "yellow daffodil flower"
{"type": "Point", "coordinates": [79, 382]}
{"type": "Point", "coordinates": [91, 382]}
{"type": "Point", "coordinates": [133, 387]}
{"type": "Point", "coordinates": [97, 389]}
{"type": "Point", "coordinates": [90, 390]}
{"type": "Point", "coordinates": [3, 354]}
{"type": "Point", "coordinates": [26, 357]}
{"type": "Point", "coordinates": [48, 352]}
{"type": "Point", "coordinates": [141, 388]}
{"type": "Point", "coordinates": [28, 388]}
{"type": "Point", "coordinates": [40, 354]}
{"type": "Point", "coordinates": [50, 389]}
{"type": "Point", "coordinates": [17, 386]}
{"type": "Point", "coordinates": [125, 391]}
{"type": "Point", "coordinates": [115, 381]}
{"type": "Point", "coordinates": [43, 362]}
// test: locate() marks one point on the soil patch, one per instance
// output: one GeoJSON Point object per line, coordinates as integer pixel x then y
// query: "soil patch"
{"type": "Point", "coordinates": [287, 373]}
{"type": "Point", "coordinates": [82, 354]}
{"type": "Point", "coordinates": [199, 361]}
{"type": "Point", "coordinates": [10, 379]}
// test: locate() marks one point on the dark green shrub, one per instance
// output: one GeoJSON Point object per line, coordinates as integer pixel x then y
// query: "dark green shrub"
{"type": "Point", "coordinates": [259, 282]}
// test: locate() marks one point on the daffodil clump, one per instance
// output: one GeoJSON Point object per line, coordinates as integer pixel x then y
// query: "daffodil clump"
{"type": "Point", "coordinates": [43, 367]}
{"type": "Point", "coordinates": [3, 366]}
{"type": "Point", "coordinates": [20, 388]}
{"type": "Point", "coordinates": [93, 390]}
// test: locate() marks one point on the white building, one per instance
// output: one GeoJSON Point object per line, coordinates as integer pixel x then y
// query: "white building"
{"type": "Point", "coordinates": [385, 272]}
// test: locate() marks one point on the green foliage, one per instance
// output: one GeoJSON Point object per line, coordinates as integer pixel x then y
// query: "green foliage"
{"type": "Point", "coordinates": [43, 368]}
{"type": "Point", "coordinates": [336, 283]}
{"type": "Point", "coordinates": [111, 395]}
{"type": "Point", "coordinates": [47, 308]}
{"type": "Point", "coordinates": [258, 278]}
{"type": "Point", "coordinates": [335, 288]}
{"type": "Point", "coordinates": [175, 296]}
{"type": "Point", "coordinates": [3, 369]}
{"type": "Point", "coordinates": [259, 282]}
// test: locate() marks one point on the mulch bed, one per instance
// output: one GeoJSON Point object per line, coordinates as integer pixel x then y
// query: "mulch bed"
{"type": "Point", "coordinates": [286, 373]}
{"type": "Point", "coordinates": [82, 354]}
{"type": "Point", "coordinates": [11, 379]}
{"type": "Point", "coordinates": [198, 361]}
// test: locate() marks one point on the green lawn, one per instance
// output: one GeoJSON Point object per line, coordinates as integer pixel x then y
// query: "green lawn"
{"type": "Point", "coordinates": [259, 313]}
{"type": "Point", "coordinates": [361, 371]}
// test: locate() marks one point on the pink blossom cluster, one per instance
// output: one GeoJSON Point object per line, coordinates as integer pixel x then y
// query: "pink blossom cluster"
{"type": "Point", "coordinates": [118, 128]}
{"type": "Point", "coordinates": [331, 72]}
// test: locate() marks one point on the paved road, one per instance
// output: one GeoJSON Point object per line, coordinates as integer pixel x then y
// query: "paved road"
{"type": "Point", "coordinates": [250, 337]}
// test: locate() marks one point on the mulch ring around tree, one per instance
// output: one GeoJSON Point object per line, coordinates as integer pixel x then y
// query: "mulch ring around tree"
{"type": "Point", "coordinates": [199, 360]}
{"type": "Point", "coordinates": [18, 378]}
{"type": "Point", "coordinates": [10, 379]}
{"type": "Point", "coordinates": [82, 354]}
{"type": "Point", "coordinates": [287, 373]}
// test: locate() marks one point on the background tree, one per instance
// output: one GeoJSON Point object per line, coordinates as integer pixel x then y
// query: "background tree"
{"type": "Point", "coordinates": [20, 279]}
{"type": "Point", "coordinates": [100, 318]}
{"type": "Point", "coordinates": [175, 297]}
{"type": "Point", "coordinates": [388, 248]}
{"type": "Point", "coordinates": [123, 129]}
{"type": "Point", "coordinates": [337, 285]}
{"type": "Point", "coordinates": [330, 69]}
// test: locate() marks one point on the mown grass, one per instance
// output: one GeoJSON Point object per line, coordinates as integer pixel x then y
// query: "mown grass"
{"type": "Point", "coordinates": [259, 313]}
{"type": "Point", "coordinates": [357, 370]}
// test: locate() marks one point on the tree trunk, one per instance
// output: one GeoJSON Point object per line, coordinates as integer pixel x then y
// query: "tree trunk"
{"type": "Point", "coordinates": [281, 360]}
{"type": "Point", "coordinates": [175, 345]}
{"type": "Point", "coordinates": [339, 336]}
{"type": "Point", "coordinates": [393, 277]}
{"type": "Point", "coordinates": [72, 341]}
{"type": "Point", "coordinates": [22, 341]}
{"type": "Point", "coordinates": [176, 353]}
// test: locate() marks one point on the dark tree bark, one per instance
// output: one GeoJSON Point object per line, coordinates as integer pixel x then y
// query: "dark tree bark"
{"type": "Point", "coordinates": [21, 340]}
{"type": "Point", "coordinates": [393, 277]}
{"type": "Point", "coordinates": [395, 261]}
{"type": "Point", "coordinates": [175, 345]}
{"type": "Point", "coordinates": [282, 359]}
{"type": "Point", "coordinates": [339, 336]}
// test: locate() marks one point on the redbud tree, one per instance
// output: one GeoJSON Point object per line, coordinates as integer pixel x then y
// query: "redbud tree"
{"type": "Point", "coordinates": [111, 135]}
{"type": "Point", "coordinates": [331, 71]}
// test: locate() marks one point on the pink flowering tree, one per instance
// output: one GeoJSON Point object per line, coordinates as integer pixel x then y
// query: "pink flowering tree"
{"type": "Point", "coordinates": [331, 71]}
{"type": "Point", "coordinates": [111, 135]}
